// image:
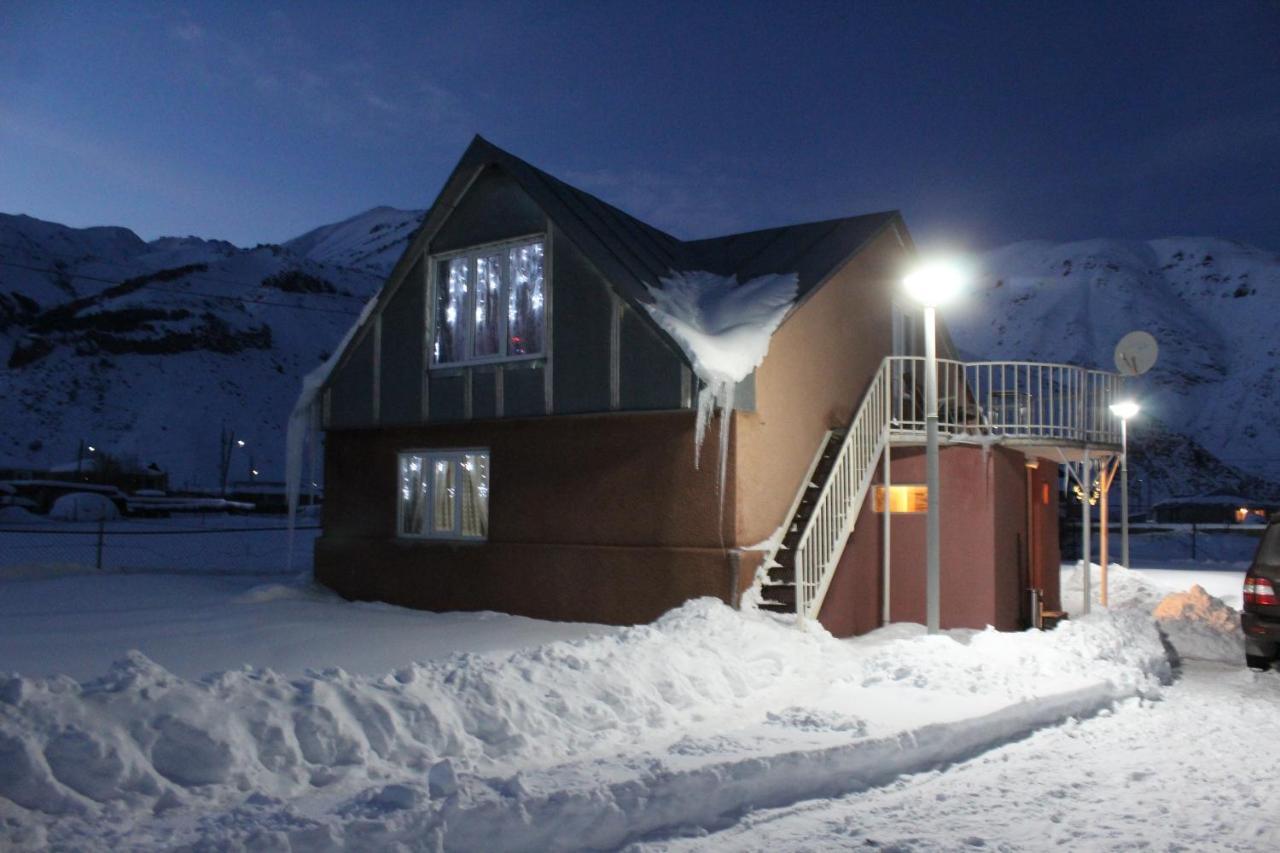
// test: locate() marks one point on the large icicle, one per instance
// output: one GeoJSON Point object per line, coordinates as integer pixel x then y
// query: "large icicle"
{"type": "Point", "coordinates": [304, 423]}
{"type": "Point", "coordinates": [724, 328]}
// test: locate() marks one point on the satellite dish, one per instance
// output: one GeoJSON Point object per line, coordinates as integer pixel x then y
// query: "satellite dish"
{"type": "Point", "coordinates": [1136, 353]}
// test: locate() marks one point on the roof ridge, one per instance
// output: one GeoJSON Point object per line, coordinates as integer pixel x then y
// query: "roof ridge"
{"type": "Point", "coordinates": [833, 221]}
{"type": "Point", "coordinates": [552, 179]}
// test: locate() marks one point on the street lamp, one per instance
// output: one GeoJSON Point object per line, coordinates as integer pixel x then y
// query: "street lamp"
{"type": "Point", "coordinates": [932, 285]}
{"type": "Point", "coordinates": [1124, 409]}
{"type": "Point", "coordinates": [80, 458]}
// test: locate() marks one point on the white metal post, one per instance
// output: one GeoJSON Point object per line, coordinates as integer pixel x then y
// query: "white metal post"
{"type": "Point", "coordinates": [888, 527]}
{"type": "Point", "coordinates": [933, 572]}
{"type": "Point", "coordinates": [1124, 492]}
{"type": "Point", "coordinates": [1086, 483]}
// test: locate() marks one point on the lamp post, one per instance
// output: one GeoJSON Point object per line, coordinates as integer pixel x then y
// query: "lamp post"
{"type": "Point", "coordinates": [80, 458]}
{"type": "Point", "coordinates": [226, 443]}
{"type": "Point", "coordinates": [931, 286]}
{"type": "Point", "coordinates": [1124, 409]}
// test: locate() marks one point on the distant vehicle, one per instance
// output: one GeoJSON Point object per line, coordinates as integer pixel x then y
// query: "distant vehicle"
{"type": "Point", "coordinates": [1260, 618]}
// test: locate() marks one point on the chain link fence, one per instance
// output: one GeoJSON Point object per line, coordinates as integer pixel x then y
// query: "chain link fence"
{"type": "Point", "coordinates": [228, 545]}
{"type": "Point", "coordinates": [1214, 543]}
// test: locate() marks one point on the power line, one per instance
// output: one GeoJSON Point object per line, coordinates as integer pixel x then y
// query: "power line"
{"type": "Point", "coordinates": [171, 292]}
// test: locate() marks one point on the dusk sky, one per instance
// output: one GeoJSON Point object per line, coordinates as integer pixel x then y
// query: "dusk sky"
{"type": "Point", "coordinates": [984, 123]}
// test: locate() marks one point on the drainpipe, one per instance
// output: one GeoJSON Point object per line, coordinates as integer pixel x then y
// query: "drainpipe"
{"type": "Point", "coordinates": [888, 514]}
{"type": "Point", "coordinates": [1086, 482]}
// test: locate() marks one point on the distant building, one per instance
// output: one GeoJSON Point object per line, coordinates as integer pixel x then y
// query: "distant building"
{"type": "Point", "coordinates": [1213, 509]}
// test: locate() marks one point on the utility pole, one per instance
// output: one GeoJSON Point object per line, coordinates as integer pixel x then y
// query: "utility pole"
{"type": "Point", "coordinates": [227, 441]}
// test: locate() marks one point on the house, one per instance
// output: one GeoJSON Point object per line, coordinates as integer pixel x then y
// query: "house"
{"type": "Point", "coordinates": [1216, 508]}
{"type": "Point", "coordinates": [508, 428]}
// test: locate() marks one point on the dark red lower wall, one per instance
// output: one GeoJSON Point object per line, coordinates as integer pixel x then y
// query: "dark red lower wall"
{"type": "Point", "coordinates": [581, 583]}
{"type": "Point", "coordinates": [989, 553]}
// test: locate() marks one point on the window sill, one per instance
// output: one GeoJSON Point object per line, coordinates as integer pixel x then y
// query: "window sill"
{"type": "Point", "coordinates": [439, 540]}
{"type": "Point", "coordinates": [458, 366]}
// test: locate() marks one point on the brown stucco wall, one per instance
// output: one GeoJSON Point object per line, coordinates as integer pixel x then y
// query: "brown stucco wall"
{"type": "Point", "coordinates": [986, 556]}
{"type": "Point", "coordinates": [617, 479]}
{"type": "Point", "coordinates": [585, 583]}
{"type": "Point", "coordinates": [820, 364]}
{"type": "Point", "coordinates": [593, 517]}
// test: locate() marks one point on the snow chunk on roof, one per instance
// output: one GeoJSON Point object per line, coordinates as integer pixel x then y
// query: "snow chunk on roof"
{"type": "Point", "coordinates": [722, 326]}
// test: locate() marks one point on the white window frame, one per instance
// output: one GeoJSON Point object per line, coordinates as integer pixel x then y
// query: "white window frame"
{"type": "Point", "coordinates": [471, 253]}
{"type": "Point", "coordinates": [432, 455]}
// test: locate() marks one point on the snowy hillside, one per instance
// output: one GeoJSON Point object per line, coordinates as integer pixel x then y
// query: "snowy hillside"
{"type": "Point", "coordinates": [1212, 306]}
{"type": "Point", "coordinates": [371, 241]}
{"type": "Point", "coordinates": [149, 349]}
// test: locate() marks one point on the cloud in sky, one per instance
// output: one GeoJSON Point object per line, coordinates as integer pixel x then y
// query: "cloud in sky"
{"type": "Point", "coordinates": [188, 31]}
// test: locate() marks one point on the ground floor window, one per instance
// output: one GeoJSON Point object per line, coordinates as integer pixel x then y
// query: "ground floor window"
{"type": "Point", "coordinates": [903, 499]}
{"type": "Point", "coordinates": [443, 494]}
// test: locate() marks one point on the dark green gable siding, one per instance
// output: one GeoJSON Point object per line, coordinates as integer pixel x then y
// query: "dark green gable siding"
{"type": "Point", "coordinates": [403, 352]}
{"type": "Point", "coordinates": [581, 318]}
{"type": "Point", "coordinates": [494, 208]}
{"type": "Point", "coordinates": [603, 355]}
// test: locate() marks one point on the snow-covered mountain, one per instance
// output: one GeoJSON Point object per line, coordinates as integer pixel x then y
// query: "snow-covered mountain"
{"type": "Point", "coordinates": [148, 349]}
{"type": "Point", "coordinates": [1211, 304]}
{"type": "Point", "coordinates": [372, 241]}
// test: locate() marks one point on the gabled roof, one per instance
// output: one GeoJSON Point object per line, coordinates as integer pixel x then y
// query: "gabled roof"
{"type": "Point", "coordinates": [812, 250]}
{"type": "Point", "coordinates": [632, 254]}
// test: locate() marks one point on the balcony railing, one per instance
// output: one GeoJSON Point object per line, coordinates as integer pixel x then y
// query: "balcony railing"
{"type": "Point", "coordinates": [1052, 403]}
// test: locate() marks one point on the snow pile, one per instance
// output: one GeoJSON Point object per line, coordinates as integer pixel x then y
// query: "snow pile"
{"type": "Point", "coordinates": [1125, 589]}
{"type": "Point", "coordinates": [485, 747]}
{"type": "Point", "coordinates": [1200, 626]}
{"type": "Point", "coordinates": [18, 515]}
{"type": "Point", "coordinates": [724, 329]}
{"type": "Point", "coordinates": [1195, 623]}
{"type": "Point", "coordinates": [84, 506]}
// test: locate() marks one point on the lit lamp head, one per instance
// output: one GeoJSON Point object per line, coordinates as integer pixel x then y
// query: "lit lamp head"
{"type": "Point", "coordinates": [1125, 409]}
{"type": "Point", "coordinates": [934, 283]}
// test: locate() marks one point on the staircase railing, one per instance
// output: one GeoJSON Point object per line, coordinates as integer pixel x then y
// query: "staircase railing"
{"type": "Point", "coordinates": [1008, 400]}
{"type": "Point", "coordinates": [827, 530]}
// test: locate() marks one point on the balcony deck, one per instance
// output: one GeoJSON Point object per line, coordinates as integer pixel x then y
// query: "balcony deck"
{"type": "Point", "coordinates": [1055, 411]}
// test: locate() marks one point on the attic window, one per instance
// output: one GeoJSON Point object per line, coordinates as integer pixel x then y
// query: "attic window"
{"type": "Point", "coordinates": [490, 304]}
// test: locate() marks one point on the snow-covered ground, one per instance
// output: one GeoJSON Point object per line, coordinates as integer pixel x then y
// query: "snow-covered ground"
{"type": "Point", "coordinates": [1194, 770]}
{"type": "Point", "coordinates": [486, 732]}
{"type": "Point", "coordinates": [78, 625]}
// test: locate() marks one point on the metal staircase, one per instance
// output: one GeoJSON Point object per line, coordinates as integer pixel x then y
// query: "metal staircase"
{"type": "Point", "coordinates": [1041, 407]}
{"type": "Point", "coordinates": [826, 507]}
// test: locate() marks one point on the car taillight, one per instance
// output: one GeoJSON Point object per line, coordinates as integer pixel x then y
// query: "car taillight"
{"type": "Point", "coordinates": [1259, 591]}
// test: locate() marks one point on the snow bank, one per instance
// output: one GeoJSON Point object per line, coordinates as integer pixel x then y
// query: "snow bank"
{"type": "Point", "coordinates": [1200, 626]}
{"type": "Point", "coordinates": [84, 506]}
{"type": "Point", "coordinates": [1195, 623]}
{"type": "Point", "coordinates": [460, 748]}
{"type": "Point", "coordinates": [724, 329]}
{"type": "Point", "coordinates": [1125, 589]}
{"type": "Point", "coordinates": [17, 515]}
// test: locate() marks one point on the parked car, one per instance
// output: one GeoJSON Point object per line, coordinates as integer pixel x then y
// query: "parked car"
{"type": "Point", "coordinates": [1260, 618]}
